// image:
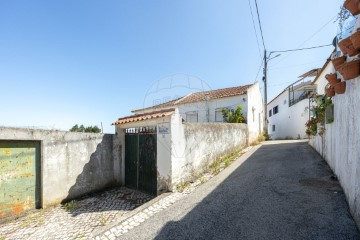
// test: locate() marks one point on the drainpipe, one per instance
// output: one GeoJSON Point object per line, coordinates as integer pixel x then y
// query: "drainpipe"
{"type": "Point", "coordinates": [207, 107]}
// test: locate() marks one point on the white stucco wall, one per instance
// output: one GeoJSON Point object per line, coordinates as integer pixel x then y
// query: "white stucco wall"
{"type": "Point", "coordinates": [340, 145]}
{"type": "Point", "coordinates": [255, 113]}
{"type": "Point", "coordinates": [205, 107]}
{"type": "Point", "coordinates": [164, 182]}
{"type": "Point", "coordinates": [321, 82]}
{"type": "Point", "coordinates": [72, 164]}
{"type": "Point", "coordinates": [196, 145]}
{"type": "Point", "coordinates": [289, 121]}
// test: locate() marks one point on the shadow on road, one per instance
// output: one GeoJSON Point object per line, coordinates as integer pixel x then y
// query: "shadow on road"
{"type": "Point", "coordinates": [283, 191]}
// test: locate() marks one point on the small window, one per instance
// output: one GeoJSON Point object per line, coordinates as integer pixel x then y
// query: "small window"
{"type": "Point", "coordinates": [270, 113]}
{"type": "Point", "coordinates": [329, 114]}
{"type": "Point", "coordinates": [276, 109]}
{"type": "Point", "coordinates": [192, 116]}
{"type": "Point", "coordinates": [219, 115]}
{"type": "Point", "coordinates": [273, 128]}
{"type": "Point", "coordinates": [285, 101]}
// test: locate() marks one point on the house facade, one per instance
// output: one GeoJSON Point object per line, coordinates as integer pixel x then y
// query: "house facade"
{"type": "Point", "coordinates": [170, 143]}
{"type": "Point", "coordinates": [290, 110]}
{"type": "Point", "coordinates": [159, 150]}
{"type": "Point", "coordinates": [207, 106]}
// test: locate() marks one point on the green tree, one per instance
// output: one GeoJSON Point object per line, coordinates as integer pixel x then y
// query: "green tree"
{"type": "Point", "coordinates": [93, 129]}
{"type": "Point", "coordinates": [233, 115]}
{"type": "Point", "coordinates": [82, 128]}
{"type": "Point", "coordinates": [75, 128]}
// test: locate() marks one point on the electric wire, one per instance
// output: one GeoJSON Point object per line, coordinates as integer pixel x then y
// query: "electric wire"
{"type": "Point", "coordinates": [253, 23]}
{"type": "Point", "coordinates": [297, 65]}
{"type": "Point", "coordinates": [308, 39]}
{"type": "Point", "coordinates": [258, 70]}
{"type": "Point", "coordinates": [262, 36]}
{"type": "Point", "coordinates": [301, 49]}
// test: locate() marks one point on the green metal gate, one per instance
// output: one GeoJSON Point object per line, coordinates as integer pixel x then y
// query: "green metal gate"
{"type": "Point", "coordinates": [19, 177]}
{"type": "Point", "coordinates": [140, 159]}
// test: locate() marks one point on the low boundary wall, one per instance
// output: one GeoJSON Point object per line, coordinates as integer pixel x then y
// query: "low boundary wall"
{"type": "Point", "coordinates": [72, 164]}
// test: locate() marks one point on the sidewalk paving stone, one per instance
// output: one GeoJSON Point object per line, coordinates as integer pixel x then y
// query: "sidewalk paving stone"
{"type": "Point", "coordinates": [91, 214]}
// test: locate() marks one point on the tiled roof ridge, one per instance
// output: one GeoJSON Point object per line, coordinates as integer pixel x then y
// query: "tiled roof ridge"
{"type": "Point", "coordinates": [182, 100]}
{"type": "Point", "coordinates": [144, 116]}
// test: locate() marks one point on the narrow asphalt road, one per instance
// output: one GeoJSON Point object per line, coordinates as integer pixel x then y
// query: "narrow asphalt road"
{"type": "Point", "coordinates": [279, 190]}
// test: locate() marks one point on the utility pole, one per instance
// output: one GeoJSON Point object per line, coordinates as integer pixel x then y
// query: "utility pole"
{"type": "Point", "coordinates": [265, 94]}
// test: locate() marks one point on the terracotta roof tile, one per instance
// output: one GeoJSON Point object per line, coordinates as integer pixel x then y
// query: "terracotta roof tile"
{"type": "Point", "coordinates": [145, 116]}
{"type": "Point", "coordinates": [214, 94]}
{"type": "Point", "coordinates": [201, 96]}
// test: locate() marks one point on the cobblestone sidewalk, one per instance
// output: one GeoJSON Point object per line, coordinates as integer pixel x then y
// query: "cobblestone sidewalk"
{"type": "Point", "coordinates": [140, 217]}
{"type": "Point", "coordinates": [77, 220]}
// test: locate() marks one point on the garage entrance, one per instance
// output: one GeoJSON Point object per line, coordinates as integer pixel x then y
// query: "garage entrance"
{"type": "Point", "coordinates": [140, 159]}
{"type": "Point", "coordinates": [19, 177]}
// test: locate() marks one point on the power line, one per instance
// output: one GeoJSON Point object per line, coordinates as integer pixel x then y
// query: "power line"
{"type": "Point", "coordinates": [258, 70]}
{"type": "Point", "coordinates": [257, 11]}
{"type": "Point", "coordinates": [279, 84]}
{"type": "Point", "coordinates": [301, 49]}
{"type": "Point", "coordinates": [308, 39]}
{"type": "Point", "coordinates": [292, 66]}
{"type": "Point", "coordinates": [321, 28]}
{"type": "Point", "coordinates": [253, 22]}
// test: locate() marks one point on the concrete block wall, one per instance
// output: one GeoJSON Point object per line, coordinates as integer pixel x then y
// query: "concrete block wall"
{"type": "Point", "coordinates": [72, 164]}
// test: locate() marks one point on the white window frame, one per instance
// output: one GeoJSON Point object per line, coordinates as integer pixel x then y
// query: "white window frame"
{"type": "Point", "coordinates": [216, 111]}
{"type": "Point", "coordinates": [192, 113]}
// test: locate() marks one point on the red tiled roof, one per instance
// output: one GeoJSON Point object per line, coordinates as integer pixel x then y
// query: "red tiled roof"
{"type": "Point", "coordinates": [145, 116]}
{"type": "Point", "coordinates": [312, 73]}
{"type": "Point", "coordinates": [201, 96]}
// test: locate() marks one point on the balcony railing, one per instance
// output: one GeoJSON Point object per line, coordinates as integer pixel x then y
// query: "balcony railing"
{"type": "Point", "coordinates": [295, 101]}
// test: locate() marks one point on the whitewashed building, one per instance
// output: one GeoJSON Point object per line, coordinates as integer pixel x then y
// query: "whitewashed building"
{"type": "Point", "coordinates": [290, 110]}
{"type": "Point", "coordinates": [320, 81]}
{"type": "Point", "coordinates": [174, 142]}
{"type": "Point", "coordinates": [206, 106]}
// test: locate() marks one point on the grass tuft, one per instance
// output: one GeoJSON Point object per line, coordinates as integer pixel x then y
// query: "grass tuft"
{"type": "Point", "coordinates": [69, 206]}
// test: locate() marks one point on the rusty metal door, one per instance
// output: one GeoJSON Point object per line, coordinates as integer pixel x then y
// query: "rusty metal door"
{"type": "Point", "coordinates": [19, 177]}
{"type": "Point", "coordinates": [140, 159]}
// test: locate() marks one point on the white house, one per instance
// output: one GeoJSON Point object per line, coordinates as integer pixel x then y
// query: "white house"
{"type": "Point", "coordinates": [206, 106]}
{"type": "Point", "coordinates": [290, 110]}
{"type": "Point", "coordinates": [320, 81]}
{"type": "Point", "coordinates": [173, 142]}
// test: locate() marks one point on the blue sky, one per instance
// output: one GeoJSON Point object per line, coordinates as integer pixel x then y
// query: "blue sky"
{"type": "Point", "coordinates": [87, 62]}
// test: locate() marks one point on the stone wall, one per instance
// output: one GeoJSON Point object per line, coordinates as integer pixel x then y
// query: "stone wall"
{"type": "Point", "coordinates": [72, 164]}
